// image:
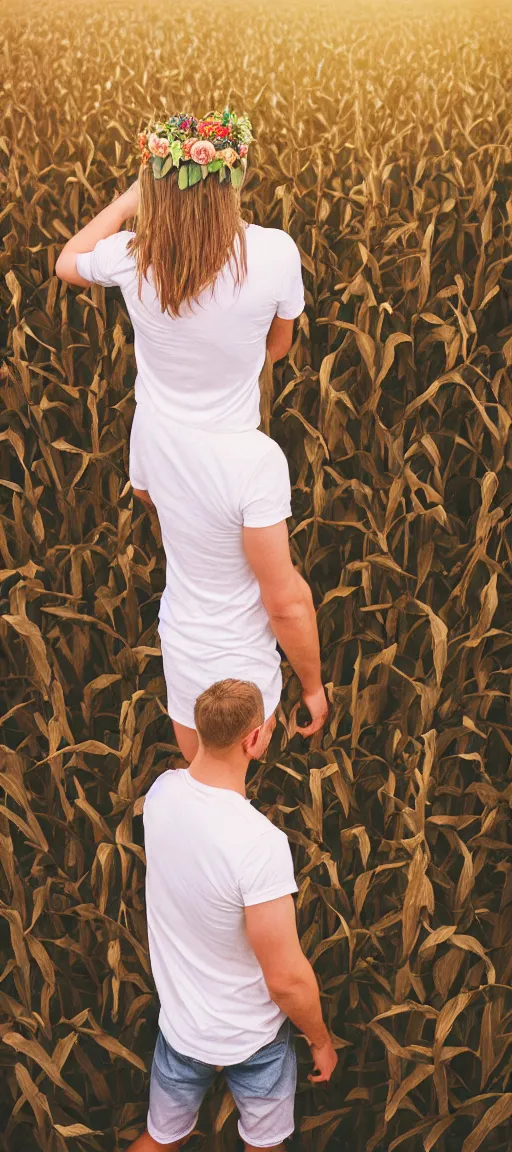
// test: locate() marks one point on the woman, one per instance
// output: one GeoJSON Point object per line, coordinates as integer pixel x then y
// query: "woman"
{"type": "Point", "coordinates": [207, 295]}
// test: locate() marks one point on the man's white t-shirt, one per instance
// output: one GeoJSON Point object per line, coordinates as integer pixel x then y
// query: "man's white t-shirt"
{"type": "Point", "coordinates": [209, 855]}
{"type": "Point", "coordinates": [202, 368]}
{"type": "Point", "coordinates": [207, 487]}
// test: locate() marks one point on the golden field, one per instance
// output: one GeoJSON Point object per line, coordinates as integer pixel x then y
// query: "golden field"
{"type": "Point", "coordinates": [384, 147]}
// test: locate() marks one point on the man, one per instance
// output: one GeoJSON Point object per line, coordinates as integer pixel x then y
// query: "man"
{"type": "Point", "coordinates": [226, 959]}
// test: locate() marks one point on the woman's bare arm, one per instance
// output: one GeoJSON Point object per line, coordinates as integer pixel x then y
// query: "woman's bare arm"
{"type": "Point", "coordinates": [109, 221]}
{"type": "Point", "coordinates": [279, 338]}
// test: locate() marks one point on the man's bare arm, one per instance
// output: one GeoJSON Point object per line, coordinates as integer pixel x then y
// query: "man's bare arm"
{"type": "Point", "coordinates": [291, 982]}
{"type": "Point", "coordinates": [289, 604]}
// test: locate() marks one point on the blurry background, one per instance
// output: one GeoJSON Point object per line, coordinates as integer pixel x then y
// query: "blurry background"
{"type": "Point", "coordinates": [384, 147]}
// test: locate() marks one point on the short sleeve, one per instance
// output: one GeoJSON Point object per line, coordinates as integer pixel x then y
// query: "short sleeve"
{"type": "Point", "coordinates": [109, 262]}
{"type": "Point", "coordinates": [291, 297]}
{"type": "Point", "coordinates": [267, 869]}
{"type": "Point", "coordinates": [267, 495]}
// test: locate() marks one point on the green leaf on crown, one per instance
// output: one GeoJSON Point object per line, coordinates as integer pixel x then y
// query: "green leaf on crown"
{"type": "Point", "coordinates": [157, 165]}
{"type": "Point", "coordinates": [183, 177]}
{"type": "Point", "coordinates": [223, 172]}
{"type": "Point", "coordinates": [166, 166]}
{"type": "Point", "coordinates": [194, 173]}
{"type": "Point", "coordinates": [237, 177]}
{"type": "Point", "coordinates": [177, 151]}
{"type": "Point", "coordinates": [215, 165]}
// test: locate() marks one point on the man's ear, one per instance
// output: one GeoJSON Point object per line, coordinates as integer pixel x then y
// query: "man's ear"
{"type": "Point", "coordinates": [251, 740]}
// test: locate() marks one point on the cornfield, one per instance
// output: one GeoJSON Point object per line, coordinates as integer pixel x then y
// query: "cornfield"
{"type": "Point", "coordinates": [384, 147]}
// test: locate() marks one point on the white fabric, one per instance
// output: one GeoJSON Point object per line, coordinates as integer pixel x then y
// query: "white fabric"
{"type": "Point", "coordinates": [202, 368]}
{"type": "Point", "coordinates": [206, 487]}
{"type": "Point", "coordinates": [210, 854]}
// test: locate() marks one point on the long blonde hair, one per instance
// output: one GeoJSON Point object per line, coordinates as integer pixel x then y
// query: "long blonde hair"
{"type": "Point", "coordinates": [186, 237]}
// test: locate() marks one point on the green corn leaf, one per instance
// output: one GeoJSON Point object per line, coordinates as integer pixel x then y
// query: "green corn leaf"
{"type": "Point", "coordinates": [157, 165]}
{"type": "Point", "coordinates": [183, 177]}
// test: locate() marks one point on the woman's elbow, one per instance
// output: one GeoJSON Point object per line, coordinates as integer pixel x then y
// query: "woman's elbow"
{"type": "Point", "coordinates": [63, 268]}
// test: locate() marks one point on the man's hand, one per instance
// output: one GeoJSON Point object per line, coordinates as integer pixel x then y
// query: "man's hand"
{"type": "Point", "coordinates": [317, 705]}
{"type": "Point", "coordinates": [325, 1061]}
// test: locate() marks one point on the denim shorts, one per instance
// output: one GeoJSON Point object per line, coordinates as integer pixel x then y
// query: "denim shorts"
{"type": "Point", "coordinates": [263, 1088]}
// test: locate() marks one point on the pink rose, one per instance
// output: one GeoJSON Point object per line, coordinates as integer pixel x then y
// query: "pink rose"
{"type": "Point", "coordinates": [157, 146]}
{"type": "Point", "coordinates": [188, 144]}
{"type": "Point", "coordinates": [202, 152]}
{"type": "Point", "coordinates": [243, 150]}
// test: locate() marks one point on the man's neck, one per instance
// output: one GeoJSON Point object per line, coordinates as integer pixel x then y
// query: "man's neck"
{"type": "Point", "coordinates": [227, 770]}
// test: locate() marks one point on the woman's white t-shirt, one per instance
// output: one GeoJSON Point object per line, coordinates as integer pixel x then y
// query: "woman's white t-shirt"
{"type": "Point", "coordinates": [202, 368]}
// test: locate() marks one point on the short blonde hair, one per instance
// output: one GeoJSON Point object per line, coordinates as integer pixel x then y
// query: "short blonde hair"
{"type": "Point", "coordinates": [225, 713]}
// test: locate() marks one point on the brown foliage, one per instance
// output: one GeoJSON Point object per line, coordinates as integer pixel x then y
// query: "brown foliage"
{"type": "Point", "coordinates": [385, 149]}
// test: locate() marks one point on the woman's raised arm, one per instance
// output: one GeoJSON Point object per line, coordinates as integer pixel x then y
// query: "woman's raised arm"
{"type": "Point", "coordinates": [106, 223]}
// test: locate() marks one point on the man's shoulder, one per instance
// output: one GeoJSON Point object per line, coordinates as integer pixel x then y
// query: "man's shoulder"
{"type": "Point", "coordinates": [260, 826]}
{"type": "Point", "coordinates": [265, 472]}
{"type": "Point", "coordinates": [243, 824]}
{"type": "Point", "coordinates": [161, 786]}
{"type": "Point", "coordinates": [242, 455]}
{"type": "Point", "coordinates": [263, 855]}
{"type": "Point", "coordinates": [259, 448]}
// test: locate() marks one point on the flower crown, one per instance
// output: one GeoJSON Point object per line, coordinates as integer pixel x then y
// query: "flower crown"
{"type": "Point", "coordinates": [198, 148]}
